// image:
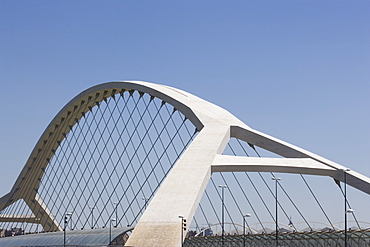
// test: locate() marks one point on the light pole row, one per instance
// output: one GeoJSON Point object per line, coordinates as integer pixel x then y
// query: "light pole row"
{"type": "Point", "coordinates": [115, 211]}
{"type": "Point", "coordinates": [146, 199]}
{"type": "Point", "coordinates": [183, 221]}
{"type": "Point", "coordinates": [249, 215]}
{"type": "Point", "coordinates": [68, 217]}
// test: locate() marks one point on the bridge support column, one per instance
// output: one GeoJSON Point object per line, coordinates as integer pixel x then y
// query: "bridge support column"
{"type": "Point", "coordinates": [181, 191]}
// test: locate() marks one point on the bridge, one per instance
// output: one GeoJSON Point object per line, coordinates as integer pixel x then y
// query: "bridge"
{"type": "Point", "coordinates": [169, 165]}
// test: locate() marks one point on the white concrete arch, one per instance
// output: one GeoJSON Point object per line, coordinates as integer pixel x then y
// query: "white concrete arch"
{"type": "Point", "coordinates": [29, 179]}
{"type": "Point", "coordinates": [183, 188]}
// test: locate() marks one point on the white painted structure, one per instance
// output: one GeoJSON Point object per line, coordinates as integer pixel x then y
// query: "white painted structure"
{"type": "Point", "coordinates": [183, 188]}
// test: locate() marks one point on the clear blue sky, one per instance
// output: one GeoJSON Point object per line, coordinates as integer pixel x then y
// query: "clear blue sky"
{"type": "Point", "coordinates": [297, 70]}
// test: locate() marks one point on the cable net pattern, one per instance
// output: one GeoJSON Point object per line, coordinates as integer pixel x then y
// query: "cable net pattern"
{"type": "Point", "coordinates": [110, 163]}
{"type": "Point", "coordinates": [302, 201]}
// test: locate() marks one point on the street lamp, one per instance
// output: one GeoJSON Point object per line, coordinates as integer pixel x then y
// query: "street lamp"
{"type": "Point", "coordinates": [276, 209]}
{"type": "Point", "coordinates": [64, 230]}
{"type": "Point", "coordinates": [37, 224]}
{"type": "Point", "coordinates": [92, 216]}
{"type": "Point", "coordinates": [348, 211]}
{"type": "Point", "coordinates": [223, 208]}
{"type": "Point", "coordinates": [70, 219]}
{"type": "Point", "coordinates": [65, 225]}
{"type": "Point", "coordinates": [183, 228]}
{"type": "Point", "coordinates": [345, 170]}
{"type": "Point", "coordinates": [110, 230]}
{"type": "Point", "coordinates": [244, 221]}
{"type": "Point", "coordinates": [115, 209]}
{"type": "Point", "coordinates": [146, 199]}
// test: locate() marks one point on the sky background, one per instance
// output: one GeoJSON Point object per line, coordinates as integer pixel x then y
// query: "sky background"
{"type": "Point", "coordinates": [297, 70]}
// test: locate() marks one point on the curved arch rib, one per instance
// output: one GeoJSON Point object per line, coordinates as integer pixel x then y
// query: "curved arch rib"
{"type": "Point", "coordinates": [198, 111]}
{"type": "Point", "coordinates": [287, 150]}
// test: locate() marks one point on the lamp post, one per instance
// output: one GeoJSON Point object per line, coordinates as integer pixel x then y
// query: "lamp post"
{"type": "Point", "coordinates": [244, 221]}
{"type": "Point", "coordinates": [110, 230]}
{"type": "Point", "coordinates": [146, 199]}
{"type": "Point", "coordinates": [345, 170]}
{"type": "Point", "coordinates": [276, 209]}
{"type": "Point", "coordinates": [223, 208]}
{"type": "Point", "coordinates": [37, 225]}
{"type": "Point", "coordinates": [183, 228]}
{"type": "Point", "coordinates": [349, 211]}
{"type": "Point", "coordinates": [92, 216]}
{"type": "Point", "coordinates": [70, 220]}
{"type": "Point", "coordinates": [64, 230]}
{"type": "Point", "coordinates": [115, 209]}
{"type": "Point", "coordinates": [65, 225]}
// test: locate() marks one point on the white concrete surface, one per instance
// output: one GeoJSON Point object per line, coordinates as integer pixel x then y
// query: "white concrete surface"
{"type": "Point", "coordinates": [182, 190]}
